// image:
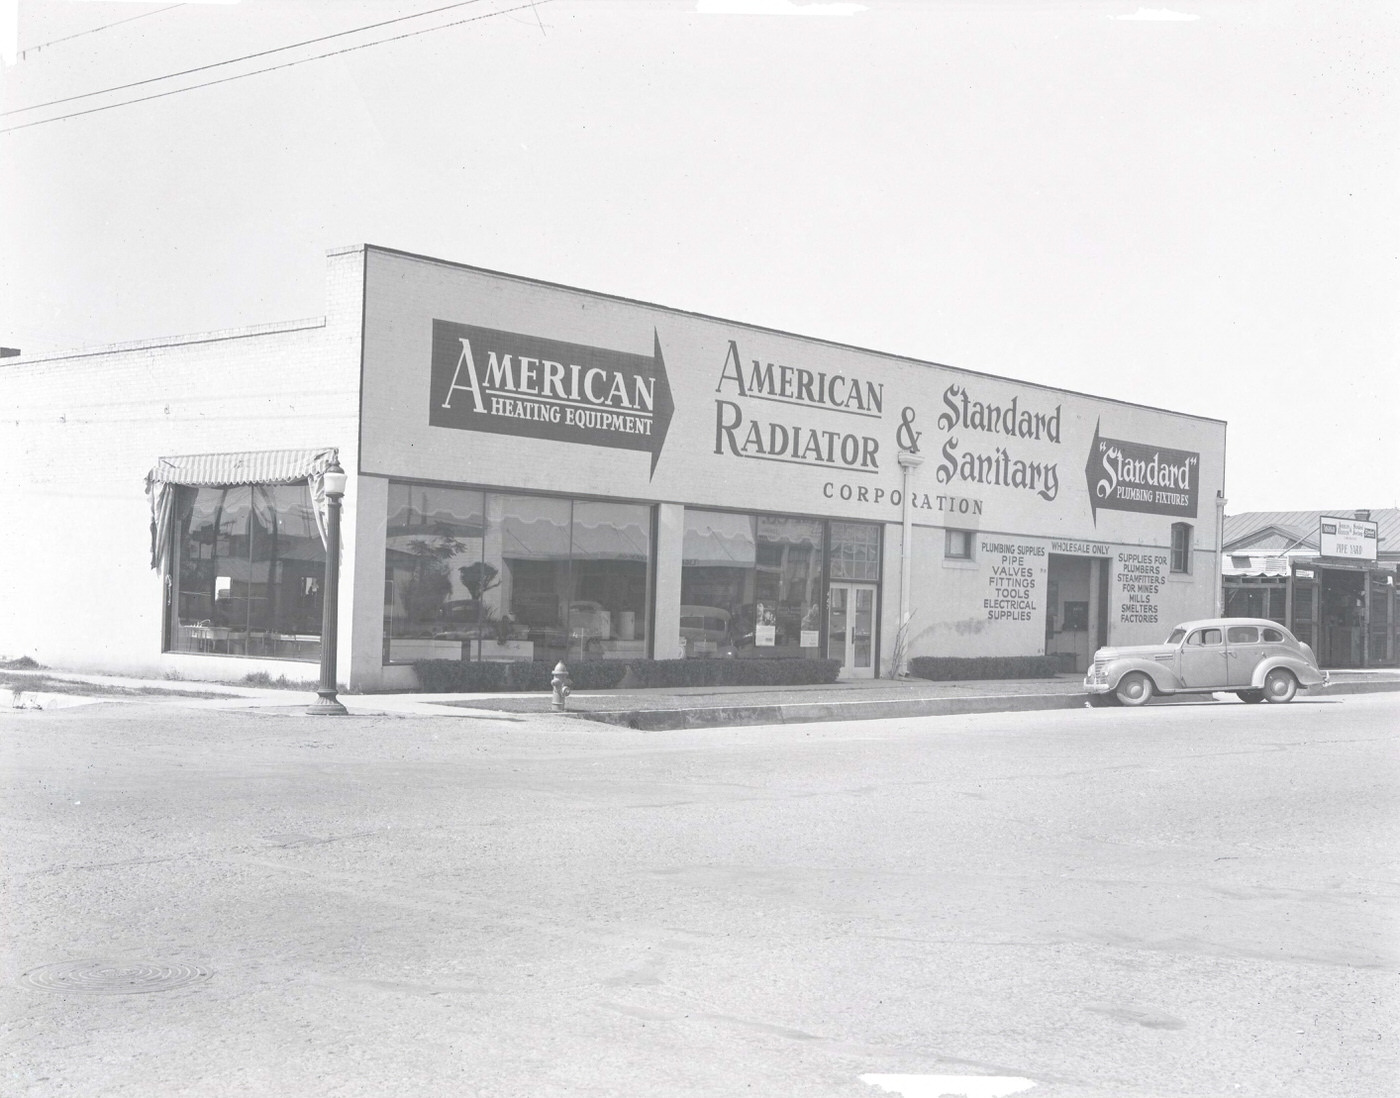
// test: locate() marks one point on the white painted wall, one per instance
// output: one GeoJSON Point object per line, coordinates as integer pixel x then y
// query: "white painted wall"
{"type": "Point", "coordinates": [81, 430]}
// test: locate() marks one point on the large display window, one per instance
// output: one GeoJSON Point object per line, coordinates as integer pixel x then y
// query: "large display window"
{"type": "Point", "coordinates": [247, 568]}
{"type": "Point", "coordinates": [755, 585]}
{"type": "Point", "coordinates": [479, 575]}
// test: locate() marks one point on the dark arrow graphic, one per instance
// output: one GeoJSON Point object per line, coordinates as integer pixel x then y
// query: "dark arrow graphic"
{"type": "Point", "coordinates": [507, 383]}
{"type": "Point", "coordinates": [1131, 476]}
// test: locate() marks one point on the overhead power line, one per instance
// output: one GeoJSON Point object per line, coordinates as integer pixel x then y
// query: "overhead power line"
{"type": "Point", "coordinates": [94, 30]}
{"type": "Point", "coordinates": [253, 56]}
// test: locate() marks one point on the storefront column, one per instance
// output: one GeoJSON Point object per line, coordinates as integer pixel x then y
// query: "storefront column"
{"type": "Point", "coordinates": [362, 588]}
{"type": "Point", "coordinates": [670, 551]}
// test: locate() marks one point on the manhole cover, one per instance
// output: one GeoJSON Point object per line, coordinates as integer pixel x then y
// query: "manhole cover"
{"type": "Point", "coordinates": [98, 977]}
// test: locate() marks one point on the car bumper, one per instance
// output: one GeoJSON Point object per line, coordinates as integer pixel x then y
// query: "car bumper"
{"type": "Point", "coordinates": [1096, 683]}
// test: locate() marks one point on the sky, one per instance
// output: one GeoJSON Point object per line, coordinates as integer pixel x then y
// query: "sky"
{"type": "Point", "coordinates": [1193, 206]}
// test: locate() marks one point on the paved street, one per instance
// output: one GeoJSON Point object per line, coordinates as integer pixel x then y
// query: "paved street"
{"type": "Point", "coordinates": [1184, 900]}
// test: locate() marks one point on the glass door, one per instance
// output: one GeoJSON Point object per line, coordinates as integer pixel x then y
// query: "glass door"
{"type": "Point", "coordinates": [850, 635]}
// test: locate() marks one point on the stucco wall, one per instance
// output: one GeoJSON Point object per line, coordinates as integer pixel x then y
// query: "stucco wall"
{"type": "Point", "coordinates": [81, 430]}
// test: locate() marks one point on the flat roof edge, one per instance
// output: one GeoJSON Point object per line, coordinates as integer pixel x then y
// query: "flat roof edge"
{"type": "Point", "coordinates": [396, 252]}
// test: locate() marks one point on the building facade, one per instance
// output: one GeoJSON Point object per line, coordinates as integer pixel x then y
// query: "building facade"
{"type": "Point", "coordinates": [1329, 576]}
{"type": "Point", "coordinates": [541, 472]}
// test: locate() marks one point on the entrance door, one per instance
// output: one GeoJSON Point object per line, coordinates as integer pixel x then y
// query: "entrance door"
{"type": "Point", "coordinates": [850, 629]}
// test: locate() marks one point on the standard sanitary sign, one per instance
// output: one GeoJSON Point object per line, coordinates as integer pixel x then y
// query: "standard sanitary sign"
{"type": "Point", "coordinates": [1134, 476]}
{"type": "Point", "coordinates": [512, 384]}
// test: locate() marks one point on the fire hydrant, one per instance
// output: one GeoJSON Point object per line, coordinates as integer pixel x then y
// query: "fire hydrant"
{"type": "Point", "coordinates": [560, 681]}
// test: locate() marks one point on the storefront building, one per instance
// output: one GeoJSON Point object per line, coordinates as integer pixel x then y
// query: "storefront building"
{"type": "Point", "coordinates": [1329, 576]}
{"type": "Point", "coordinates": [540, 472]}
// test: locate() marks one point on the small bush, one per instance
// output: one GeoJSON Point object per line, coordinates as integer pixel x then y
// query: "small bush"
{"type": "Point", "coordinates": [281, 682]}
{"type": "Point", "coordinates": [457, 677]}
{"type": "Point", "coordinates": [23, 663]}
{"type": "Point", "coordinates": [953, 668]}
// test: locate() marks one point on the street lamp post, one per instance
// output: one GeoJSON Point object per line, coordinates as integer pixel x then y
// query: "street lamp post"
{"type": "Point", "coordinates": [326, 703]}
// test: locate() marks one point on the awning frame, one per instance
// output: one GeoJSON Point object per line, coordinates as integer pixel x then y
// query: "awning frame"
{"type": "Point", "coordinates": [231, 469]}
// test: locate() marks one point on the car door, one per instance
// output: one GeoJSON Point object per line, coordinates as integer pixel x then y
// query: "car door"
{"type": "Point", "coordinates": [1243, 653]}
{"type": "Point", "coordinates": [1203, 660]}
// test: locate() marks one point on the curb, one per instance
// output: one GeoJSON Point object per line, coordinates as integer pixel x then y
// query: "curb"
{"type": "Point", "coordinates": [664, 720]}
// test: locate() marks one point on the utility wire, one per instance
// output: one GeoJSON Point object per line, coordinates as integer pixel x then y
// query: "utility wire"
{"type": "Point", "coordinates": [94, 30]}
{"type": "Point", "coordinates": [235, 60]}
{"type": "Point", "coordinates": [274, 68]}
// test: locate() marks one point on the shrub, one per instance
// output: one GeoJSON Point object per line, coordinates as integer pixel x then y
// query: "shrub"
{"type": "Point", "coordinates": [520, 676]}
{"type": "Point", "coordinates": [952, 668]}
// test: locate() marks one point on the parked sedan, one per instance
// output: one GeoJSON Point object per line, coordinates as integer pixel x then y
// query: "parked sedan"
{"type": "Point", "coordinates": [1256, 659]}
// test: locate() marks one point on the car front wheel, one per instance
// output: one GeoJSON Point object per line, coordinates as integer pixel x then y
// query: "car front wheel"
{"type": "Point", "coordinates": [1250, 696]}
{"type": "Point", "coordinates": [1280, 685]}
{"type": "Point", "coordinates": [1134, 688]}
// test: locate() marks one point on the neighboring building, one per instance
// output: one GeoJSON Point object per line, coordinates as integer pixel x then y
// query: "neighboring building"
{"type": "Point", "coordinates": [1330, 576]}
{"type": "Point", "coordinates": [544, 472]}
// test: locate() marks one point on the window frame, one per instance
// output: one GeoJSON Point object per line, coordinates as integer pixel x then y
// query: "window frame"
{"type": "Point", "coordinates": [1182, 536]}
{"type": "Point", "coordinates": [949, 552]}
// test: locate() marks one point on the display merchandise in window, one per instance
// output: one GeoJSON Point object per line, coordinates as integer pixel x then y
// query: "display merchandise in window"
{"type": "Point", "coordinates": [751, 585]}
{"type": "Point", "coordinates": [477, 575]}
{"type": "Point", "coordinates": [247, 565]}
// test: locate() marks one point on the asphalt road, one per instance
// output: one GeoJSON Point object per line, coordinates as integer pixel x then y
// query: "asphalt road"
{"type": "Point", "coordinates": [1182, 900]}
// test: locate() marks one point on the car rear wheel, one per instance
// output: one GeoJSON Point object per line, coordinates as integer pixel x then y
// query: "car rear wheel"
{"type": "Point", "coordinates": [1134, 688]}
{"type": "Point", "coordinates": [1250, 696]}
{"type": "Point", "coordinates": [1280, 685]}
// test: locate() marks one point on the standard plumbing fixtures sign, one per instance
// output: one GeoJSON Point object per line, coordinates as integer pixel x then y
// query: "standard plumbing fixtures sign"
{"type": "Point", "coordinates": [513, 384]}
{"type": "Point", "coordinates": [1132, 476]}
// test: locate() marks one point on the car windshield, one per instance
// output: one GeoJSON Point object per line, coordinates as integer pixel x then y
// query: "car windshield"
{"type": "Point", "coordinates": [1177, 636]}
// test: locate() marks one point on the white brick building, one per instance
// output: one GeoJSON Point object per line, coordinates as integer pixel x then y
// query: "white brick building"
{"type": "Point", "coordinates": [543, 472]}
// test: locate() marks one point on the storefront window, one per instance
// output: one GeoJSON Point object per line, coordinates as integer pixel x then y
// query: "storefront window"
{"type": "Point", "coordinates": [474, 575]}
{"type": "Point", "coordinates": [751, 585]}
{"type": "Point", "coordinates": [855, 551]}
{"type": "Point", "coordinates": [435, 583]}
{"type": "Point", "coordinates": [247, 572]}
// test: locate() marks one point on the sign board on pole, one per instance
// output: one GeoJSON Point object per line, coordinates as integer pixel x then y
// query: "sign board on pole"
{"type": "Point", "coordinates": [1349, 538]}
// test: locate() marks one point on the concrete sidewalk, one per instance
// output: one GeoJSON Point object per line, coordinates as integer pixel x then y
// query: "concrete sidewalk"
{"type": "Point", "coordinates": [653, 709]}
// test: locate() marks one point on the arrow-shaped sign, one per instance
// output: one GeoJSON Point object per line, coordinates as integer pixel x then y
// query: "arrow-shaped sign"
{"type": "Point", "coordinates": [507, 383]}
{"type": "Point", "coordinates": [1132, 476]}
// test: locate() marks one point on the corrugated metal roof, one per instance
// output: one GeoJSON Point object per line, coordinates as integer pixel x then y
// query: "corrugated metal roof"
{"type": "Point", "coordinates": [1270, 531]}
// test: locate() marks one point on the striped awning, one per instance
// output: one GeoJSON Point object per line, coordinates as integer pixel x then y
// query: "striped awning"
{"type": "Point", "coordinates": [229, 469]}
{"type": "Point", "coordinates": [242, 467]}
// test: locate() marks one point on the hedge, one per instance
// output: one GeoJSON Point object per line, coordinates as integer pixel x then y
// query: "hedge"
{"type": "Point", "coordinates": [954, 668]}
{"type": "Point", "coordinates": [521, 676]}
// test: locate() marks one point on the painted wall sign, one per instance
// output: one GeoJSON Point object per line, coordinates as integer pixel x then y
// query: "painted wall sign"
{"type": "Point", "coordinates": [745, 433]}
{"type": "Point", "coordinates": [1140, 577]}
{"type": "Point", "coordinates": [1131, 476]}
{"type": "Point", "coordinates": [479, 378]}
{"type": "Point", "coordinates": [1350, 538]}
{"type": "Point", "coordinates": [970, 459]}
{"type": "Point", "coordinates": [512, 384]}
{"type": "Point", "coordinates": [1012, 587]}
{"type": "Point", "coordinates": [1081, 548]}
